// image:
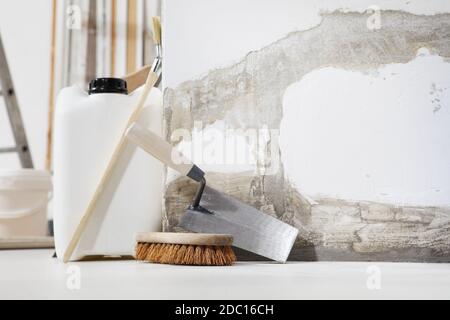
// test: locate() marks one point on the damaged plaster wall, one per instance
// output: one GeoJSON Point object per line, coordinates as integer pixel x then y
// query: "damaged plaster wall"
{"type": "Point", "coordinates": [202, 35]}
{"type": "Point", "coordinates": [250, 93]}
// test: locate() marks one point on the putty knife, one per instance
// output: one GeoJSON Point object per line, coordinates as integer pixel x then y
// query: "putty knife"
{"type": "Point", "coordinates": [215, 212]}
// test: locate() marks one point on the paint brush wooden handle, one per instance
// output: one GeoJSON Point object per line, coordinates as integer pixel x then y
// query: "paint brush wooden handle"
{"type": "Point", "coordinates": [136, 79]}
{"type": "Point", "coordinates": [151, 80]}
{"type": "Point", "coordinates": [163, 151]}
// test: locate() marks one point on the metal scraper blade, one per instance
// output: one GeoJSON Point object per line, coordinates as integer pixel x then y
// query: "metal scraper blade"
{"type": "Point", "coordinates": [252, 229]}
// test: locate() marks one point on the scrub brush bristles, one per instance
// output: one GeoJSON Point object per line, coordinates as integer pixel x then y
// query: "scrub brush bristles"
{"type": "Point", "coordinates": [185, 249]}
{"type": "Point", "coordinates": [185, 254]}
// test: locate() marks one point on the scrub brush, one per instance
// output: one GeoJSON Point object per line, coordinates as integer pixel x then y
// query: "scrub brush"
{"type": "Point", "coordinates": [198, 249]}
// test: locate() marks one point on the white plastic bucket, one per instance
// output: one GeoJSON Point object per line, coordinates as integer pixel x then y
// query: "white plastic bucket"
{"type": "Point", "coordinates": [24, 195]}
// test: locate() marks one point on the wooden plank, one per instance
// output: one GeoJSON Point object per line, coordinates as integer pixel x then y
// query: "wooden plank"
{"type": "Point", "coordinates": [113, 36]}
{"type": "Point", "coordinates": [103, 40]}
{"type": "Point", "coordinates": [131, 35]}
{"type": "Point", "coordinates": [51, 94]}
{"type": "Point", "coordinates": [139, 33]}
{"type": "Point", "coordinates": [145, 33]}
{"type": "Point", "coordinates": [67, 50]}
{"type": "Point", "coordinates": [91, 51]}
{"type": "Point", "coordinates": [121, 38]}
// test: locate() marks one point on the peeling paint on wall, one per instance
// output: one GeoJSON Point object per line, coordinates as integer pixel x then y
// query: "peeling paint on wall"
{"type": "Point", "coordinates": [249, 94]}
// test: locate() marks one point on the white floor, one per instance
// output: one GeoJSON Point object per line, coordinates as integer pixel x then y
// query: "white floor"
{"type": "Point", "coordinates": [33, 274]}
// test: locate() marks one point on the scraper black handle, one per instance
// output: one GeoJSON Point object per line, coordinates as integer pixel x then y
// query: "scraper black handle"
{"type": "Point", "coordinates": [163, 151]}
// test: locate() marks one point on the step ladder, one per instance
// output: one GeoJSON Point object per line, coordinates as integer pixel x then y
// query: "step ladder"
{"type": "Point", "coordinates": [15, 118]}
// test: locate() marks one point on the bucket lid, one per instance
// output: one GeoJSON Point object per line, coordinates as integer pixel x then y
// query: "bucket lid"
{"type": "Point", "coordinates": [25, 179]}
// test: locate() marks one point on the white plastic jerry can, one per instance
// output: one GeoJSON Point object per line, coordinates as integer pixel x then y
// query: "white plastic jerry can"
{"type": "Point", "coordinates": [88, 126]}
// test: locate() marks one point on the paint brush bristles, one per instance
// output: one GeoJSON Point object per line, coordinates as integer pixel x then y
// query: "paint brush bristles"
{"type": "Point", "coordinates": [157, 30]}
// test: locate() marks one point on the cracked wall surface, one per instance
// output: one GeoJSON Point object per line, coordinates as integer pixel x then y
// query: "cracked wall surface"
{"type": "Point", "coordinates": [249, 94]}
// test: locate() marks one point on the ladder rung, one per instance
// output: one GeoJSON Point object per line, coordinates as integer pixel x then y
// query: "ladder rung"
{"type": "Point", "coordinates": [8, 150]}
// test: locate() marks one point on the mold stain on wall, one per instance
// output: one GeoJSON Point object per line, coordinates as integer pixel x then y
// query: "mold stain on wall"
{"type": "Point", "coordinates": [250, 95]}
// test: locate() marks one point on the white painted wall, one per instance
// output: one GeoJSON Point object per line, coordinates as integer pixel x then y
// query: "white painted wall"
{"type": "Point", "coordinates": [383, 136]}
{"type": "Point", "coordinates": [25, 30]}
